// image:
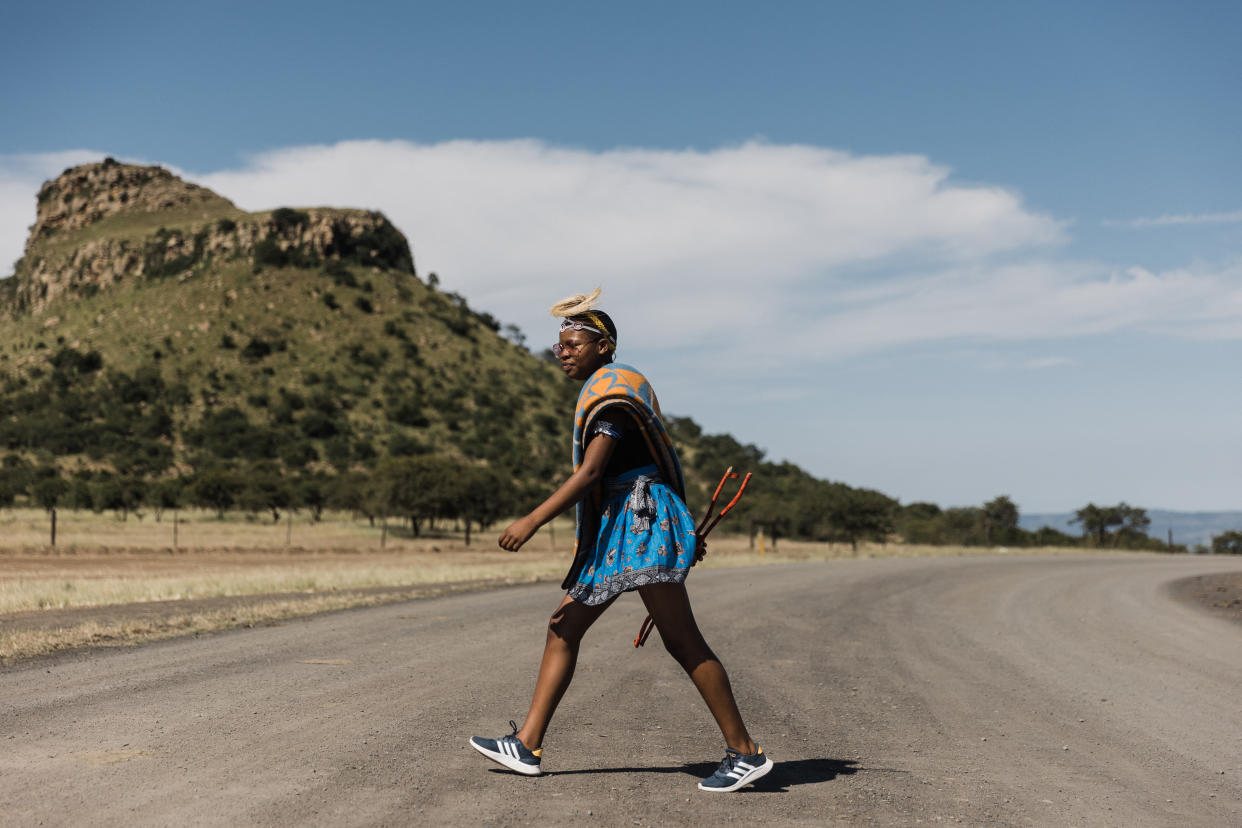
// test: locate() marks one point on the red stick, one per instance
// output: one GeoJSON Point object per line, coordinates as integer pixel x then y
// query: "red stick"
{"type": "Point", "coordinates": [728, 473]}
{"type": "Point", "coordinates": [704, 532]}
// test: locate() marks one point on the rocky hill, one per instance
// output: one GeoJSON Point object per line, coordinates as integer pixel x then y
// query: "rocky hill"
{"type": "Point", "coordinates": [156, 332]}
{"type": "Point", "coordinates": [99, 224]}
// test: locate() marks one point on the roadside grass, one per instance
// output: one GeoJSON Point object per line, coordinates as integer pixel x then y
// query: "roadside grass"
{"type": "Point", "coordinates": [79, 531]}
{"type": "Point", "coordinates": [120, 567]}
{"type": "Point", "coordinates": [21, 644]}
{"type": "Point", "coordinates": [96, 587]}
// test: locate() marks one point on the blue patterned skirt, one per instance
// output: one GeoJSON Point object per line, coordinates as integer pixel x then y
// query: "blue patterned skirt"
{"type": "Point", "coordinates": [646, 536]}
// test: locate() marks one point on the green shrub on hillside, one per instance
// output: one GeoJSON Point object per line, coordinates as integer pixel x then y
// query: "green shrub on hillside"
{"type": "Point", "coordinates": [287, 219]}
{"type": "Point", "coordinates": [72, 361]}
{"type": "Point", "coordinates": [256, 350]}
{"type": "Point", "coordinates": [382, 246]}
{"type": "Point", "coordinates": [341, 275]}
{"type": "Point", "coordinates": [407, 412]}
{"type": "Point", "coordinates": [228, 434]}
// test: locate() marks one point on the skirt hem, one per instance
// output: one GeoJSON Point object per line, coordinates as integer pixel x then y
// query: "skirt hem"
{"type": "Point", "coordinates": [597, 593]}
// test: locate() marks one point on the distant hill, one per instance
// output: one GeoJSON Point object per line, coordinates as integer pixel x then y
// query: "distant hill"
{"type": "Point", "coordinates": [1189, 528]}
{"type": "Point", "coordinates": [154, 329]}
{"type": "Point", "coordinates": [157, 339]}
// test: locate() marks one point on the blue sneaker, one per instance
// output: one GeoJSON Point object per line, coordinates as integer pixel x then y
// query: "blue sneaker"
{"type": "Point", "coordinates": [737, 770]}
{"type": "Point", "coordinates": [510, 752]}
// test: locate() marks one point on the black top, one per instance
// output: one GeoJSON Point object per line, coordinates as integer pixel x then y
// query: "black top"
{"type": "Point", "coordinates": [631, 450]}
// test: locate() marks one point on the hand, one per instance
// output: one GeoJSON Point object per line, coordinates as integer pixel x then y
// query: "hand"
{"type": "Point", "coordinates": [700, 548]}
{"type": "Point", "coordinates": [518, 533]}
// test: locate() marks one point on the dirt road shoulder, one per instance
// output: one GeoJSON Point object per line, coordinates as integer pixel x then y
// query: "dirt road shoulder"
{"type": "Point", "coordinates": [1219, 594]}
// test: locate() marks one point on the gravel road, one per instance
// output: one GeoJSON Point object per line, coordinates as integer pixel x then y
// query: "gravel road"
{"type": "Point", "coordinates": [986, 690]}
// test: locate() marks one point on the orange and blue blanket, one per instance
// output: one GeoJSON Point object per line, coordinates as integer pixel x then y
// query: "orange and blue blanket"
{"type": "Point", "coordinates": [621, 385]}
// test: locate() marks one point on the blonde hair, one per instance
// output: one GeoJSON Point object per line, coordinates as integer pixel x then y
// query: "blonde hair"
{"type": "Point", "coordinates": [576, 305]}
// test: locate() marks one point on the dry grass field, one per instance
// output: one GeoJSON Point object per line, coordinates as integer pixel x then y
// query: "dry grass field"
{"type": "Point", "coordinates": [116, 582]}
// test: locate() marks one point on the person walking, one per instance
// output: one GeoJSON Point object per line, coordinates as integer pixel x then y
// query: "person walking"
{"type": "Point", "coordinates": [634, 533]}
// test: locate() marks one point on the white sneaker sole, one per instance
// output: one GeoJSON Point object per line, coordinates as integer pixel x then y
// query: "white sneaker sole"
{"type": "Point", "coordinates": [752, 776]}
{"type": "Point", "coordinates": [508, 761]}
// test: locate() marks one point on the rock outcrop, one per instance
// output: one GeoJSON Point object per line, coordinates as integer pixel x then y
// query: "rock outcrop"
{"type": "Point", "coordinates": [85, 194]}
{"type": "Point", "coordinates": [63, 261]}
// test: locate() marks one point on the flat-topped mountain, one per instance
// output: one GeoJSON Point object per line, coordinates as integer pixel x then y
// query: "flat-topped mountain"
{"type": "Point", "coordinates": [99, 224]}
{"type": "Point", "coordinates": [156, 332]}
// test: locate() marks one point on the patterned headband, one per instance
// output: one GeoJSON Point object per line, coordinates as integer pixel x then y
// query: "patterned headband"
{"type": "Point", "coordinates": [596, 326]}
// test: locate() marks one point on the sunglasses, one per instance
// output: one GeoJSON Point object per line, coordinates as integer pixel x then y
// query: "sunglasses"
{"type": "Point", "coordinates": [559, 349]}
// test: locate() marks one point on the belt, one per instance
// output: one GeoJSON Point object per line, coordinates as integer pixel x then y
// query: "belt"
{"type": "Point", "coordinates": [641, 502]}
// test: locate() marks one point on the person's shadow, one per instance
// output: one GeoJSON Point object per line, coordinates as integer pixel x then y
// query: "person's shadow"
{"type": "Point", "coordinates": [782, 777]}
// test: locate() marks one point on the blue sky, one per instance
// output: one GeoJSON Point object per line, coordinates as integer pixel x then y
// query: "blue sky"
{"type": "Point", "coordinates": [946, 250]}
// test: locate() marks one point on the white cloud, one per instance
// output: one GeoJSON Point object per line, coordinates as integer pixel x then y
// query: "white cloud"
{"type": "Point", "coordinates": [736, 251]}
{"type": "Point", "coordinates": [1183, 218]}
{"type": "Point", "coordinates": [493, 211]}
{"type": "Point", "coordinates": [735, 233]}
{"type": "Point", "coordinates": [1033, 301]}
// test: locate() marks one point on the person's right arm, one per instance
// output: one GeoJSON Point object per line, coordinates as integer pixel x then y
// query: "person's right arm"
{"type": "Point", "coordinates": [594, 460]}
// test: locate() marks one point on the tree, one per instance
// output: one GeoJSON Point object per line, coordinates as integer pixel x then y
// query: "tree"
{"type": "Point", "coordinates": [106, 494]}
{"type": "Point", "coordinates": [422, 488]}
{"type": "Point", "coordinates": [483, 497]}
{"type": "Point", "coordinates": [312, 493]}
{"type": "Point", "coordinates": [266, 490]}
{"type": "Point", "coordinates": [214, 489]}
{"type": "Point", "coordinates": [121, 494]}
{"type": "Point", "coordinates": [1134, 518]}
{"type": "Point", "coordinates": [965, 525]}
{"type": "Point", "coordinates": [133, 493]}
{"type": "Point", "coordinates": [47, 493]}
{"type": "Point", "coordinates": [336, 449]}
{"type": "Point", "coordinates": [166, 494]}
{"type": "Point", "coordinates": [1000, 518]}
{"type": "Point", "coordinates": [351, 491]}
{"type": "Point", "coordinates": [80, 496]}
{"type": "Point", "coordinates": [920, 523]}
{"type": "Point", "coordinates": [1097, 520]}
{"type": "Point", "coordinates": [863, 513]}
{"type": "Point", "coordinates": [1047, 536]}
{"type": "Point", "coordinates": [1132, 523]}
{"type": "Point", "coordinates": [1227, 543]}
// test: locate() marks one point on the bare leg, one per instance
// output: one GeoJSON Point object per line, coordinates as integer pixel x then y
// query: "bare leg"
{"type": "Point", "coordinates": [669, 606]}
{"type": "Point", "coordinates": [560, 654]}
